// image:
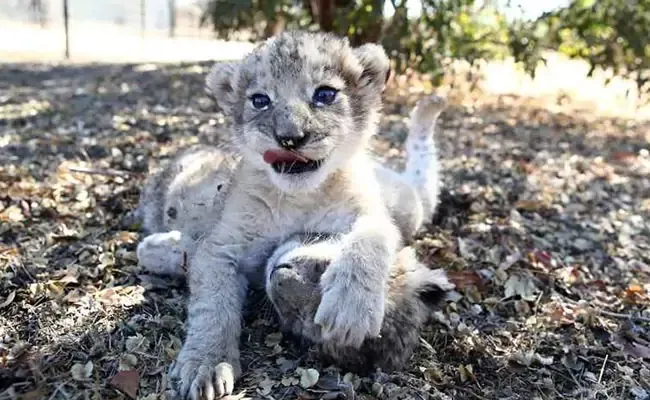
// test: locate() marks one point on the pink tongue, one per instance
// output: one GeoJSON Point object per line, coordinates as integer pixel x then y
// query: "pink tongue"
{"type": "Point", "coordinates": [275, 156]}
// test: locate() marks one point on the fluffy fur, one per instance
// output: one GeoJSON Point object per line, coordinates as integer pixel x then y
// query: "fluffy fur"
{"type": "Point", "coordinates": [292, 280]}
{"type": "Point", "coordinates": [261, 205]}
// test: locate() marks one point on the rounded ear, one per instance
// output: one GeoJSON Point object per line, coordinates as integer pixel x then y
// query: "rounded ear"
{"type": "Point", "coordinates": [219, 84]}
{"type": "Point", "coordinates": [375, 64]}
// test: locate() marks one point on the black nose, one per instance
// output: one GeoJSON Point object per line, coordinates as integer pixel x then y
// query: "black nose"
{"type": "Point", "coordinates": [283, 266]}
{"type": "Point", "coordinates": [278, 267]}
{"type": "Point", "coordinates": [292, 141]}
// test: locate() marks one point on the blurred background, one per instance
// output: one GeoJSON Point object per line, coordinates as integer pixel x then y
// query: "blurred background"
{"type": "Point", "coordinates": [564, 41]}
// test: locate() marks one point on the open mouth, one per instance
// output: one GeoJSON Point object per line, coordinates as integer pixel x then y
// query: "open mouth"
{"type": "Point", "coordinates": [289, 162]}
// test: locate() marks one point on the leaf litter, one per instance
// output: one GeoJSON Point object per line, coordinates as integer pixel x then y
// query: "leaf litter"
{"type": "Point", "coordinates": [543, 225]}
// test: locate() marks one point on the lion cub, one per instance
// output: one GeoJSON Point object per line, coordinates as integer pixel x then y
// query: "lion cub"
{"type": "Point", "coordinates": [304, 107]}
{"type": "Point", "coordinates": [292, 276]}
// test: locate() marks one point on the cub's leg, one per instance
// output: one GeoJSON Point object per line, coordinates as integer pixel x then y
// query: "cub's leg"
{"type": "Point", "coordinates": [412, 196]}
{"type": "Point", "coordinates": [179, 204]}
{"type": "Point", "coordinates": [208, 363]}
{"type": "Point", "coordinates": [422, 164]}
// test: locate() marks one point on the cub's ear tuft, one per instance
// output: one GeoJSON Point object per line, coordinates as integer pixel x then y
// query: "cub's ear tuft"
{"type": "Point", "coordinates": [375, 64]}
{"type": "Point", "coordinates": [432, 294]}
{"type": "Point", "coordinates": [433, 285]}
{"type": "Point", "coordinates": [219, 84]}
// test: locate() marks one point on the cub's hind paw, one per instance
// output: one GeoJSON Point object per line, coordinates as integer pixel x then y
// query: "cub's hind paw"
{"type": "Point", "coordinates": [161, 253]}
{"type": "Point", "coordinates": [429, 108]}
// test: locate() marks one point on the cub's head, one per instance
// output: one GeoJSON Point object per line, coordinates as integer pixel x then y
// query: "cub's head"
{"type": "Point", "coordinates": [293, 274]}
{"type": "Point", "coordinates": [302, 104]}
{"type": "Point", "coordinates": [292, 281]}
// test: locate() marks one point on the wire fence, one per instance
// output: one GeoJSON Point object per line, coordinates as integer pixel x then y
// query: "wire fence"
{"type": "Point", "coordinates": [74, 28]}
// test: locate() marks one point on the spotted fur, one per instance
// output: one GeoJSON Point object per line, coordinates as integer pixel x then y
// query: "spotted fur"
{"type": "Point", "coordinates": [292, 276]}
{"type": "Point", "coordinates": [343, 196]}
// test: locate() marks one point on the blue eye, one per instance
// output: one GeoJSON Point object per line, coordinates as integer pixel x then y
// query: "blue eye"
{"type": "Point", "coordinates": [260, 101]}
{"type": "Point", "coordinates": [324, 95]}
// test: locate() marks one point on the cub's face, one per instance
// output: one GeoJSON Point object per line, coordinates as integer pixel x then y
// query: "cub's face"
{"type": "Point", "coordinates": [302, 104]}
{"type": "Point", "coordinates": [292, 277]}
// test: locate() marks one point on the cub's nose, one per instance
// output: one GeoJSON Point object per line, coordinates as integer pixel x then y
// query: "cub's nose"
{"type": "Point", "coordinates": [278, 267]}
{"type": "Point", "coordinates": [283, 266]}
{"type": "Point", "coordinates": [293, 140]}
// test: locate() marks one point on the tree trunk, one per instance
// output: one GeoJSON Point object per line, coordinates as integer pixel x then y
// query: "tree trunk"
{"type": "Point", "coordinates": [323, 13]}
{"type": "Point", "coordinates": [275, 26]}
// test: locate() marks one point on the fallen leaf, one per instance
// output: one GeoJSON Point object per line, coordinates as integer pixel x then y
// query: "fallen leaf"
{"type": "Point", "coordinates": [529, 205]}
{"type": "Point", "coordinates": [289, 381]}
{"type": "Point", "coordinates": [81, 372]}
{"type": "Point", "coordinates": [462, 279]}
{"type": "Point", "coordinates": [510, 261]}
{"type": "Point", "coordinates": [266, 385]}
{"type": "Point", "coordinates": [285, 365]}
{"type": "Point", "coordinates": [523, 286]}
{"type": "Point", "coordinates": [543, 259]}
{"type": "Point", "coordinates": [639, 393]}
{"type": "Point", "coordinates": [466, 373]}
{"type": "Point", "coordinates": [635, 349]}
{"type": "Point", "coordinates": [308, 378]}
{"type": "Point", "coordinates": [8, 300]}
{"type": "Point", "coordinates": [273, 339]}
{"type": "Point", "coordinates": [37, 394]}
{"type": "Point", "coordinates": [624, 156]}
{"type": "Point", "coordinates": [463, 249]}
{"type": "Point", "coordinates": [127, 382]}
{"type": "Point", "coordinates": [127, 362]}
{"type": "Point", "coordinates": [137, 343]}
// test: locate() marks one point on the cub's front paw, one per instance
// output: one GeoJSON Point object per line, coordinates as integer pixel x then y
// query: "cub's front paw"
{"type": "Point", "coordinates": [161, 253]}
{"type": "Point", "coordinates": [198, 378]}
{"type": "Point", "coordinates": [349, 313]}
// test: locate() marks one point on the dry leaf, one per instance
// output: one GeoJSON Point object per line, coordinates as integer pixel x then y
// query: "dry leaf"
{"type": "Point", "coordinates": [462, 279]}
{"type": "Point", "coordinates": [510, 261]}
{"type": "Point", "coordinates": [528, 358]}
{"type": "Point", "coordinates": [8, 300]}
{"type": "Point", "coordinates": [530, 205]}
{"type": "Point", "coordinates": [289, 381]}
{"type": "Point", "coordinates": [639, 393]}
{"type": "Point", "coordinates": [127, 382]}
{"type": "Point", "coordinates": [266, 385]}
{"type": "Point", "coordinates": [273, 339]}
{"type": "Point", "coordinates": [127, 362]}
{"type": "Point", "coordinates": [523, 286]}
{"type": "Point", "coordinates": [308, 377]}
{"type": "Point", "coordinates": [466, 373]}
{"type": "Point", "coordinates": [137, 344]}
{"type": "Point", "coordinates": [81, 372]}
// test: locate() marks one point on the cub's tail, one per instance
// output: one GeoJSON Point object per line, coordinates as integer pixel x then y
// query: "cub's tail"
{"type": "Point", "coordinates": [422, 165]}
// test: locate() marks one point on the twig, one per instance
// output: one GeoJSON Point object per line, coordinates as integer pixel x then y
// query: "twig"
{"type": "Point", "coordinates": [602, 369]}
{"type": "Point", "coordinates": [105, 172]}
{"type": "Point", "coordinates": [623, 316]}
{"type": "Point", "coordinates": [469, 392]}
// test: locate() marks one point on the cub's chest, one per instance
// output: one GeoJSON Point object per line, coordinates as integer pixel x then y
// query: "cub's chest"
{"type": "Point", "coordinates": [320, 217]}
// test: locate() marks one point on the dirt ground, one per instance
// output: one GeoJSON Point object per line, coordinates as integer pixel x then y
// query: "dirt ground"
{"type": "Point", "coordinates": [544, 224]}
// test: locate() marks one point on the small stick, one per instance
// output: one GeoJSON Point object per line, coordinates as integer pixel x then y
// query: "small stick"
{"type": "Point", "coordinates": [602, 369]}
{"type": "Point", "coordinates": [105, 172]}
{"type": "Point", "coordinates": [623, 316]}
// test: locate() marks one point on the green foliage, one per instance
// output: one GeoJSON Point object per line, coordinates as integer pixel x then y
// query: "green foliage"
{"type": "Point", "coordinates": [446, 29]}
{"type": "Point", "coordinates": [608, 33]}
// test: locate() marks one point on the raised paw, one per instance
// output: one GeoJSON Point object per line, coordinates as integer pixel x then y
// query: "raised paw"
{"type": "Point", "coordinates": [197, 379]}
{"type": "Point", "coordinates": [161, 253]}
{"type": "Point", "coordinates": [429, 108]}
{"type": "Point", "coordinates": [348, 315]}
